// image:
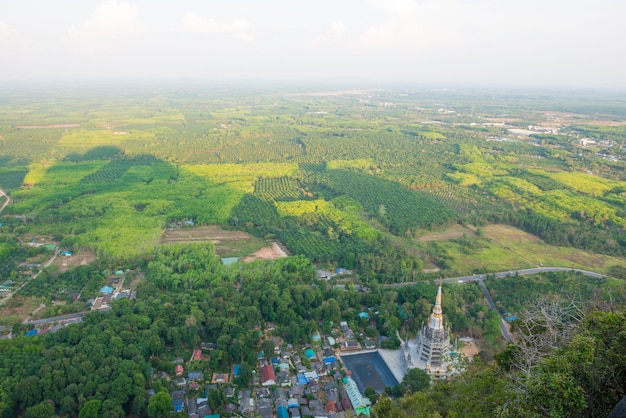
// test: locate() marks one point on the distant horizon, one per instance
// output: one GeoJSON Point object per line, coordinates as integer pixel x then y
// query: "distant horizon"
{"type": "Point", "coordinates": [534, 44]}
{"type": "Point", "coordinates": [312, 85]}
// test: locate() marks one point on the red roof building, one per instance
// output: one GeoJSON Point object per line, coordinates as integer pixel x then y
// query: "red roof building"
{"type": "Point", "coordinates": [268, 377]}
{"type": "Point", "coordinates": [179, 370]}
{"type": "Point", "coordinates": [331, 406]}
{"type": "Point", "coordinates": [197, 354]}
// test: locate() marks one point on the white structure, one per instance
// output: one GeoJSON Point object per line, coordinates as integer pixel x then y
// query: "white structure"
{"type": "Point", "coordinates": [430, 351]}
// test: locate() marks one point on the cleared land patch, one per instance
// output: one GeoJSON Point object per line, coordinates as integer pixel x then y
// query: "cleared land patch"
{"type": "Point", "coordinates": [470, 347]}
{"type": "Point", "coordinates": [506, 232]}
{"type": "Point", "coordinates": [80, 258]}
{"type": "Point", "coordinates": [267, 253]}
{"type": "Point", "coordinates": [227, 243]}
{"type": "Point", "coordinates": [18, 308]}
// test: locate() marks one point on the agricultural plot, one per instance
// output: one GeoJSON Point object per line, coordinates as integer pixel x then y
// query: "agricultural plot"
{"type": "Point", "coordinates": [396, 207]}
{"type": "Point", "coordinates": [334, 178]}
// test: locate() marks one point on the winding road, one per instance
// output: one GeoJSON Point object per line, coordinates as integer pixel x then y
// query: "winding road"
{"type": "Point", "coordinates": [511, 273]}
{"type": "Point", "coordinates": [499, 275]}
{"type": "Point", "coordinates": [2, 193]}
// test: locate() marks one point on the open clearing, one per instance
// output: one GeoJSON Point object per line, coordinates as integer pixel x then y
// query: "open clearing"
{"type": "Point", "coordinates": [80, 258]}
{"type": "Point", "coordinates": [501, 247]}
{"type": "Point", "coordinates": [504, 232]}
{"type": "Point", "coordinates": [227, 243]}
{"type": "Point", "coordinates": [506, 248]}
{"type": "Point", "coordinates": [454, 231]}
{"type": "Point", "coordinates": [267, 253]}
{"type": "Point", "coordinates": [18, 308]}
{"type": "Point", "coordinates": [469, 347]}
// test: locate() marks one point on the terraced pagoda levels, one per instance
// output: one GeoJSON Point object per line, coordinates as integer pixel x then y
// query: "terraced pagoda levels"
{"type": "Point", "coordinates": [432, 349]}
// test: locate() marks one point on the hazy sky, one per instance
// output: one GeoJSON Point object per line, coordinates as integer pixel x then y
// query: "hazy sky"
{"type": "Point", "coordinates": [498, 42]}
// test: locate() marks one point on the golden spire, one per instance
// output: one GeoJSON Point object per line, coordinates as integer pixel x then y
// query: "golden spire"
{"type": "Point", "coordinates": [436, 318]}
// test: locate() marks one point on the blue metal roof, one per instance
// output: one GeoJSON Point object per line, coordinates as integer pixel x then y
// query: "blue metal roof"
{"type": "Point", "coordinates": [282, 412]}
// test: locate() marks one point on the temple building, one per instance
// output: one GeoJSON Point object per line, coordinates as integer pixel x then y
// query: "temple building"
{"type": "Point", "coordinates": [431, 349]}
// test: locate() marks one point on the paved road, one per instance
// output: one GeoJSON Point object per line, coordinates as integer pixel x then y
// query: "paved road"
{"type": "Point", "coordinates": [67, 317]}
{"type": "Point", "coordinates": [499, 275]}
{"type": "Point", "coordinates": [56, 318]}
{"type": "Point", "coordinates": [479, 278]}
{"type": "Point", "coordinates": [503, 328]}
{"type": "Point", "coordinates": [2, 193]}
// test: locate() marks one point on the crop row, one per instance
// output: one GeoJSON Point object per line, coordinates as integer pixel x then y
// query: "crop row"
{"type": "Point", "coordinates": [393, 205]}
{"type": "Point", "coordinates": [275, 189]}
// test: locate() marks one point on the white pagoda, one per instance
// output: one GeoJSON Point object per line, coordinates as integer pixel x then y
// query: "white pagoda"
{"type": "Point", "coordinates": [430, 351]}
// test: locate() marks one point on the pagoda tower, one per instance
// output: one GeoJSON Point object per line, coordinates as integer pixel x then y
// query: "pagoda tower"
{"type": "Point", "coordinates": [432, 348]}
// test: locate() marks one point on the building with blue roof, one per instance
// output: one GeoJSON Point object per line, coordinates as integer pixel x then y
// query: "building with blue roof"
{"type": "Point", "coordinates": [302, 380]}
{"type": "Point", "coordinates": [360, 403]}
{"type": "Point", "coordinates": [107, 290]}
{"type": "Point", "coordinates": [237, 370]}
{"type": "Point", "coordinates": [282, 412]}
{"type": "Point", "coordinates": [178, 404]}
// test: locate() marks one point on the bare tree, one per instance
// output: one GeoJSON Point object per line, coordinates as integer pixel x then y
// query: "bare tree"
{"type": "Point", "coordinates": [544, 327]}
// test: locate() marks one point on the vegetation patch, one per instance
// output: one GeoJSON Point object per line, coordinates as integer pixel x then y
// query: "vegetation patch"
{"type": "Point", "coordinates": [499, 232]}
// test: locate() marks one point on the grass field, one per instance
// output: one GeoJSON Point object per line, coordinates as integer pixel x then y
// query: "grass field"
{"type": "Point", "coordinates": [532, 248]}
{"type": "Point", "coordinates": [502, 247]}
{"type": "Point", "coordinates": [455, 231]}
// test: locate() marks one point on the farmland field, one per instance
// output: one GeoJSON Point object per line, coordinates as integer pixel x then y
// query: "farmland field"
{"type": "Point", "coordinates": [344, 179]}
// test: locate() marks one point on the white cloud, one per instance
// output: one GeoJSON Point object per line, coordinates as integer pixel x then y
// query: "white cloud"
{"type": "Point", "coordinates": [335, 33]}
{"type": "Point", "coordinates": [397, 7]}
{"type": "Point", "coordinates": [6, 32]}
{"type": "Point", "coordinates": [405, 23]}
{"type": "Point", "coordinates": [111, 19]}
{"type": "Point", "coordinates": [193, 23]}
{"type": "Point", "coordinates": [338, 30]}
